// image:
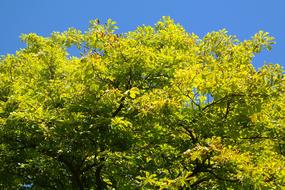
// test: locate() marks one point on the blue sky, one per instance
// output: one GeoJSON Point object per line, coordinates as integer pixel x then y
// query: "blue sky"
{"type": "Point", "coordinates": [240, 17]}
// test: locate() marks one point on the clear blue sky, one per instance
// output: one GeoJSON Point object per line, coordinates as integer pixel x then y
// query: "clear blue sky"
{"type": "Point", "coordinates": [240, 17]}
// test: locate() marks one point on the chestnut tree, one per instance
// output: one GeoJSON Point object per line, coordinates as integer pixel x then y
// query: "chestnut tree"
{"type": "Point", "coordinates": [154, 108]}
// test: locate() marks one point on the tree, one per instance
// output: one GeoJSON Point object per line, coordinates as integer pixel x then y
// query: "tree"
{"type": "Point", "coordinates": [155, 108]}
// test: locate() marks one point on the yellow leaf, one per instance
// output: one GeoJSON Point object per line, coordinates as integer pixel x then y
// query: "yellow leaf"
{"type": "Point", "coordinates": [133, 92]}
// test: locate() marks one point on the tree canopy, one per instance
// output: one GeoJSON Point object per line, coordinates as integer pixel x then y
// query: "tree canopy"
{"type": "Point", "coordinates": [154, 108]}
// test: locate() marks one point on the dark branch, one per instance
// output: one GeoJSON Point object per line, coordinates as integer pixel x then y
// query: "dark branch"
{"type": "Point", "coordinates": [222, 99]}
{"type": "Point", "coordinates": [120, 107]}
{"type": "Point", "coordinates": [221, 178]}
{"type": "Point", "coordinates": [227, 110]}
{"type": "Point", "coordinates": [89, 167]}
{"type": "Point", "coordinates": [196, 183]}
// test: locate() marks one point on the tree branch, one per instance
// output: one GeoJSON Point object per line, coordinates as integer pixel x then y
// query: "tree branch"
{"type": "Point", "coordinates": [221, 178]}
{"type": "Point", "coordinates": [221, 100]}
{"type": "Point", "coordinates": [196, 183]}
{"type": "Point", "coordinates": [89, 167]}
{"type": "Point", "coordinates": [120, 107]}
{"type": "Point", "coordinates": [227, 110]}
{"type": "Point", "coordinates": [190, 133]}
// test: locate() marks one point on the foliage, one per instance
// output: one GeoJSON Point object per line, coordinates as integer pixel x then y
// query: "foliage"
{"type": "Point", "coordinates": [155, 108]}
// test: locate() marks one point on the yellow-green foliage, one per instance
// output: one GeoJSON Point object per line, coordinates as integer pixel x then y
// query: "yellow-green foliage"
{"type": "Point", "coordinates": [154, 108]}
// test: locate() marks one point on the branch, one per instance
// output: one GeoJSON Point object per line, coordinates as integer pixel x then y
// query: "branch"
{"type": "Point", "coordinates": [190, 133]}
{"type": "Point", "coordinates": [187, 95]}
{"type": "Point", "coordinates": [129, 80]}
{"type": "Point", "coordinates": [259, 137]}
{"type": "Point", "coordinates": [193, 101]}
{"type": "Point", "coordinates": [120, 107]}
{"type": "Point", "coordinates": [89, 167]}
{"type": "Point", "coordinates": [98, 178]}
{"type": "Point", "coordinates": [222, 99]}
{"type": "Point", "coordinates": [227, 110]}
{"type": "Point", "coordinates": [199, 181]}
{"type": "Point", "coordinates": [221, 178]}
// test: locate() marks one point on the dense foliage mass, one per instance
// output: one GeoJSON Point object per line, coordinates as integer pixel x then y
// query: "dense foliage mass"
{"type": "Point", "coordinates": [155, 108]}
